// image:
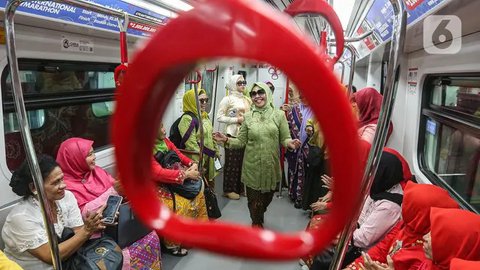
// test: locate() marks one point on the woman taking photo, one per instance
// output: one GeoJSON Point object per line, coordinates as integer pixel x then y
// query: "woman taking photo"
{"type": "Point", "coordinates": [231, 112]}
{"type": "Point", "coordinates": [264, 127]}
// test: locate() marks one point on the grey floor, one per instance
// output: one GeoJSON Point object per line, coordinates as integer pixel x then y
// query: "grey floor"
{"type": "Point", "coordinates": [281, 216]}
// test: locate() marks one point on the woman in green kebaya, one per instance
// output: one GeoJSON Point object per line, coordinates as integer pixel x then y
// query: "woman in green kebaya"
{"type": "Point", "coordinates": [263, 129]}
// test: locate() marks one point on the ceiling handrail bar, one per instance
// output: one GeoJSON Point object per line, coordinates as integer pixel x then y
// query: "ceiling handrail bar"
{"type": "Point", "coordinates": [396, 56]}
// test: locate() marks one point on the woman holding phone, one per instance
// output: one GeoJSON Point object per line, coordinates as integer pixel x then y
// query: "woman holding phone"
{"type": "Point", "coordinates": [92, 187]}
{"type": "Point", "coordinates": [24, 233]}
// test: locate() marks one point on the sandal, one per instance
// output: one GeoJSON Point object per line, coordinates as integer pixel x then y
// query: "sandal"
{"type": "Point", "coordinates": [177, 252]}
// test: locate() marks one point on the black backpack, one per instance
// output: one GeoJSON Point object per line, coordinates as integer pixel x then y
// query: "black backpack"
{"type": "Point", "coordinates": [175, 135]}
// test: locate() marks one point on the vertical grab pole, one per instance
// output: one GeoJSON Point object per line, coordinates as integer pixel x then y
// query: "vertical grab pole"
{"type": "Point", "coordinates": [200, 122]}
{"type": "Point", "coordinates": [395, 56]}
{"type": "Point", "coordinates": [342, 76]}
{"type": "Point", "coordinates": [353, 64]}
{"type": "Point", "coordinates": [10, 9]}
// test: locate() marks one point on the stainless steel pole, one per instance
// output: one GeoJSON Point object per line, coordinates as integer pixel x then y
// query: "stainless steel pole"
{"type": "Point", "coordinates": [396, 57]}
{"type": "Point", "coordinates": [342, 76]}
{"type": "Point", "coordinates": [353, 64]}
{"type": "Point", "coordinates": [25, 133]}
{"type": "Point", "coordinates": [31, 157]}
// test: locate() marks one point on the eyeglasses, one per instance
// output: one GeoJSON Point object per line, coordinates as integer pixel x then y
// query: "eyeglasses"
{"type": "Point", "coordinates": [239, 83]}
{"type": "Point", "coordinates": [260, 92]}
{"type": "Point", "coordinates": [203, 100]}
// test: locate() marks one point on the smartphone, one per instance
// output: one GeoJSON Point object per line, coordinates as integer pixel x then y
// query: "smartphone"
{"type": "Point", "coordinates": [113, 203]}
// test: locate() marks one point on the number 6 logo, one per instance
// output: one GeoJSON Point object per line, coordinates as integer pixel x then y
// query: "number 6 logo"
{"type": "Point", "coordinates": [442, 34]}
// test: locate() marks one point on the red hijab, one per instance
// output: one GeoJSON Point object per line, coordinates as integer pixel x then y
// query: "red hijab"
{"type": "Point", "coordinates": [458, 264]}
{"type": "Point", "coordinates": [84, 183]}
{"type": "Point", "coordinates": [369, 102]}
{"type": "Point", "coordinates": [417, 201]}
{"type": "Point", "coordinates": [455, 234]}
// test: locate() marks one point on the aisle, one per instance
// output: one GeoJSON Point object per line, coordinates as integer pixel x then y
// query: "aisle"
{"type": "Point", "coordinates": [281, 216]}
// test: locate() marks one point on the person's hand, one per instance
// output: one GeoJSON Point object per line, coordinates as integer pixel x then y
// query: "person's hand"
{"type": "Point", "coordinates": [194, 166]}
{"type": "Point", "coordinates": [375, 265]}
{"type": "Point", "coordinates": [240, 119]}
{"type": "Point", "coordinates": [328, 181]}
{"type": "Point", "coordinates": [118, 187]}
{"type": "Point", "coordinates": [286, 107]}
{"type": "Point", "coordinates": [327, 197]}
{"type": "Point", "coordinates": [192, 173]}
{"type": "Point", "coordinates": [294, 144]}
{"type": "Point", "coordinates": [219, 137]}
{"type": "Point", "coordinates": [93, 221]}
{"type": "Point", "coordinates": [318, 206]}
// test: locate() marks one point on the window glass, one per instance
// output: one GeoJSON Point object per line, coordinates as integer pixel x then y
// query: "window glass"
{"type": "Point", "coordinates": [59, 77]}
{"type": "Point", "coordinates": [58, 124]}
{"type": "Point", "coordinates": [36, 119]}
{"type": "Point", "coordinates": [63, 100]}
{"type": "Point", "coordinates": [103, 109]}
{"type": "Point", "coordinates": [461, 99]}
{"type": "Point", "coordinates": [454, 156]}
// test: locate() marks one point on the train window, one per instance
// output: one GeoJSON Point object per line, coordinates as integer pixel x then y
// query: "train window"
{"type": "Point", "coordinates": [36, 119]}
{"type": "Point", "coordinates": [451, 135]}
{"type": "Point", "coordinates": [40, 77]}
{"type": "Point", "coordinates": [74, 99]}
{"type": "Point", "coordinates": [103, 109]}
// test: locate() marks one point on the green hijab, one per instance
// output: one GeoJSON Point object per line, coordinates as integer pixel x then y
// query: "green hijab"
{"type": "Point", "coordinates": [268, 92]}
{"type": "Point", "coordinates": [160, 145]}
{"type": "Point", "coordinates": [189, 104]}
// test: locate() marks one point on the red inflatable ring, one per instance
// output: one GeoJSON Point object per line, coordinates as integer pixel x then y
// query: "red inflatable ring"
{"type": "Point", "coordinates": [231, 28]}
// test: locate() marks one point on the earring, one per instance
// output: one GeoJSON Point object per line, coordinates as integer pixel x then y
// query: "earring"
{"type": "Point", "coordinates": [35, 192]}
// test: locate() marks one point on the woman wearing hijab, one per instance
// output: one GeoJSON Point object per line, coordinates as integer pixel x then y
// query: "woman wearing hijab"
{"type": "Point", "coordinates": [366, 104]}
{"type": "Point", "coordinates": [263, 129]}
{"type": "Point", "coordinates": [381, 210]}
{"type": "Point", "coordinates": [192, 144]}
{"type": "Point", "coordinates": [231, 112]}
{"type": "Point", "coordinates": [458, 264]}
{"type": "Point", "coordinates": [91, 186]}
{"type": "Point", "coordinates": [455, 233]}
{"type": "Point", "coordinates": [404, 242]}
{"type": "Point", "coordinates": [187, 169]}
{"type": "Point", "coordinates": [297, 117]}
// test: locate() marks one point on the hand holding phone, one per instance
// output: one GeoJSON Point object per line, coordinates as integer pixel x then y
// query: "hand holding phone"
{"type": "Point", "coordinates": [113, 203]}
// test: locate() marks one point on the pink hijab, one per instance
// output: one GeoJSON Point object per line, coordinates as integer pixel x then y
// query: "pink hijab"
{"type": "Point", "coordinates": [84, 183]}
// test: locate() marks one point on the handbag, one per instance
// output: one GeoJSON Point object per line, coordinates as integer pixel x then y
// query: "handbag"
{"type": "Point", "coordinates": [211, 202]}
{"type": "Point", "coordinates": [129, 229]}
{"type": "Point", "coordinates": [102, 253]}
{"type": "Point", "coordinates": [190, 187]}
{"type": "Point", "coordinates": [323, 260]}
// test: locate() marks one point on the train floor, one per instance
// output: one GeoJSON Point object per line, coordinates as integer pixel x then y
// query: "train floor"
{"type": "Point", "coordinates": [281, 216]}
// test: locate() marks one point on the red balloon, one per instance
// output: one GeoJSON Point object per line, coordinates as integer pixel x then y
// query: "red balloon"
{"type": "Point", "coordinates": [240, 29]}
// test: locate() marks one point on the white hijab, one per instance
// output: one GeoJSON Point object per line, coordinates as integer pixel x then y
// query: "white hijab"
{"type": "Point", "coordinates": [232, 85]}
